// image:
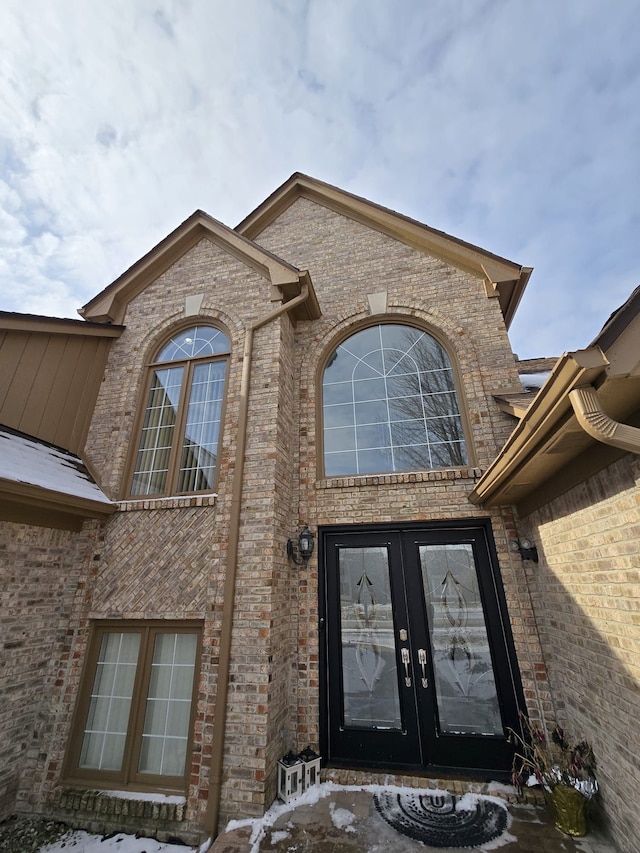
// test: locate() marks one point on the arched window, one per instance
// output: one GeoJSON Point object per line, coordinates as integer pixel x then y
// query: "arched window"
{"type": "Point", "coordinates": [390, 404]}
{"type": "Point", "coordinates": [180, 434]}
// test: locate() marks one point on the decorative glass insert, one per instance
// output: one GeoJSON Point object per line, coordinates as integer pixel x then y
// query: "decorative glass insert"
{"type": "Point", "coordinates": [390, 404]}
{"type": "Point", "coordinates": [369, 671]}
{"type": "Point", "coordinates": [168, 708]}
{"type": "Point", "coordinates": [465, 680]}
{"type": "Point", "coordinates": [178, 449]}
{"type": "Point", "coordinates": [108, 718]}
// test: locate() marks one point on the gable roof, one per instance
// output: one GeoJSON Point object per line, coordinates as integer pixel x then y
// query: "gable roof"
{"type": "Point", "coordinates": [503, 278]}
{"type": "Point", "coordinates": [109, 305]}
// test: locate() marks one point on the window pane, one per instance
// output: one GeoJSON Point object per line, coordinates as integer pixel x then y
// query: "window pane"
{"type": "Point", "coordinates": [338, 464]}
{"type": "Point", "coordinates": [369, 389]}
{"type": "Point", "coordinates": [152, 461]}
{"type": "Point", "coordinates": [374, 461]}
{"type": "Point", "coordinates": [373, 435]}
{"type": "Point", "coordinates": [168, 707]}
{"type": "Point", "coordinates": [110, 703]}
{"type": "Point", "coordinates": [396, 383]}
{"type": "Point", "coordinates": [335, 416]}
{"type": "Point", "coordinates": [371, 413]}
{"type": "Point", "coordinates": [193, 343]}
{"type": "Point", "coordinates": [200, 446]}
{"type": "Point", "coordinates": [338, 392]}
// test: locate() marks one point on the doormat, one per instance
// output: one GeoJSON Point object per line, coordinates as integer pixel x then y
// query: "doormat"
{"type": "Point", "coordinates": [443, 820]}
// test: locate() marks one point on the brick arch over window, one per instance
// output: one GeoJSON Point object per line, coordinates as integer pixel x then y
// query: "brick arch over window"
{"type": "Point", "coordinates": [179, 428]}
{"type": "Point", "coordinates": [389, 403]}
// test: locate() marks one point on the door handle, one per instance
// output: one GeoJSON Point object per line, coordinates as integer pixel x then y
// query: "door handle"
{"type": "Point", "coordinates": [404, 654]}
{"type": "Point", "coordinates": [422, 660]}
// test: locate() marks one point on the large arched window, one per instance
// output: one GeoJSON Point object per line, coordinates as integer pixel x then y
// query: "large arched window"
{"type": "Point", "coordinates": [390, 404]}
{"type": "Point", "coordinates": [180, 434]}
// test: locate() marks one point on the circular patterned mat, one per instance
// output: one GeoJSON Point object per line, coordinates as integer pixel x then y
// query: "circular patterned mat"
{"type": "Point", "coordinates": [443, 820]}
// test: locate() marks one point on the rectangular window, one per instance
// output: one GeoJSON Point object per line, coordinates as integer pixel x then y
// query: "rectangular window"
{"type": "Point", "coordinates": [135, 708]}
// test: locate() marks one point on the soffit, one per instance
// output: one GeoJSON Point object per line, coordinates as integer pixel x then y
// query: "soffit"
{"type": "Point", "coordinates": [109, 306]}
{"type": "Point", "coordinates": [504, 279]}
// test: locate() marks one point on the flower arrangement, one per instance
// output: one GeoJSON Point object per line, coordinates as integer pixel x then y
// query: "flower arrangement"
{"type": "Point", "coordinates": [553, 762]}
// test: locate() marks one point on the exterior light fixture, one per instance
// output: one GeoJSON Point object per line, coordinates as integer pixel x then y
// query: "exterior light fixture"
{"type": "Point", "coordinates": [300, 552]}
{"type": "Point", "coordinates": [526, 549]}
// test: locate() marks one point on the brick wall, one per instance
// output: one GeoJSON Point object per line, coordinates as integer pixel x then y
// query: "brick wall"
{"type": "Point", "coordinates": [586, 602]}
{"type": "Point", "coordinates": [40, 571]}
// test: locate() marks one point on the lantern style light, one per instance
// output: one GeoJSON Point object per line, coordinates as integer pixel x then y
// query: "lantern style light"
{"type": "Point", "coordinates": [300, 552]}
{"type": "Point", "coordinates": [311, 761]}
{"type": "Point", "coordinates": [290, 777]}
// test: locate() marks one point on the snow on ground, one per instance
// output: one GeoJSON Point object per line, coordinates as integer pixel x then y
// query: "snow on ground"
{"type": "Point", "coordinates": [343, 818]}
{"type": "Point", "coordinates": [84, 842]}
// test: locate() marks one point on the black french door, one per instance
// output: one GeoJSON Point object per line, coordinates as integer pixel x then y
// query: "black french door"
{"type": "Point", "coordinates": [418, 657]}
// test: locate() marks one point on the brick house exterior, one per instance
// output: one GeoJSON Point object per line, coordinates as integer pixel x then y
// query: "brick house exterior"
{"type": "Point", "coordinates": [305, 273]}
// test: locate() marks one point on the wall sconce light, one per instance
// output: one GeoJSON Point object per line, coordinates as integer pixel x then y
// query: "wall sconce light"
{"type": "Point", "coordinates": [300, 552]}
{"type": "Point", "coordinates": [526, 549]}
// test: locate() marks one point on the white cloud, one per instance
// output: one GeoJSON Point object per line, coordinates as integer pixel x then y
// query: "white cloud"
{"type": "Point", "coordinates": [511, 125]}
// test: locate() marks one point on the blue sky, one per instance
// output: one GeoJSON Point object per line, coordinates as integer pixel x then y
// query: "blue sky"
{"type": "Point", "coordinates": [513, 125]}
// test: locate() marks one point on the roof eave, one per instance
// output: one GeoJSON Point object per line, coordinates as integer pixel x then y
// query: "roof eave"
{"type": "Point", "coordinates": [49, 499]}
{"type": "Point", "coordinates": [548, 411]}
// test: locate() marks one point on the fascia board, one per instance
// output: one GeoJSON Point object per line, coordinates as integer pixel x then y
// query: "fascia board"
{"type": "Point", "coordinates": [36, 496]}
{"type": "Point", "coordinates": [547, 413]}
{"type": "Point", "coordinates": [110, 305]}
{"type": "Point", "coordinates": [57, 326]}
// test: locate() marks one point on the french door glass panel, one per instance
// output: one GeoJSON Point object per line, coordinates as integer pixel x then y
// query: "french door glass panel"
{"type": "Point", "coordinates": [369, 671]}
{"type": "Point", "coordinates": [465, 682]}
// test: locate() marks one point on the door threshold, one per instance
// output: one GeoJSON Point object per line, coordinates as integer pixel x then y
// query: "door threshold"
{"type": "Point", "coordinates": [454, 784]}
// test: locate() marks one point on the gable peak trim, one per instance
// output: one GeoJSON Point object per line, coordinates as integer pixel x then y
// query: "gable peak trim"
{"type": "Point", "coordinates": [503, 278]}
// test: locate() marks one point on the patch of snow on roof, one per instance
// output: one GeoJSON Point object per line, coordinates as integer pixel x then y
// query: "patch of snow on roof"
{"type": "Point", "coordinates": [534, 380]}
{"type": "Point", "coordinates": [27, 460]}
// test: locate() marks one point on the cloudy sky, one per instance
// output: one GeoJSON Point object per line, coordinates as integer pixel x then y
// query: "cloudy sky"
{"type": "Point", "coordinates": [512, 124]}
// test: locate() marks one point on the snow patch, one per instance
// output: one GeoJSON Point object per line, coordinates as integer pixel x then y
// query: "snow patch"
{"type": "Point", "coordinates": [84, 842]}
{"type": "Point", "coordinates": [279, 835]}
{"type": "Point", "coordinates": [342, 818]}
{"type": "Point", "coordinates": [147, 797]}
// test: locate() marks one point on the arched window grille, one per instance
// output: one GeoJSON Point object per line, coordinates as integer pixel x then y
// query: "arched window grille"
{"type": "Point", "coordinates": [390, 404]}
